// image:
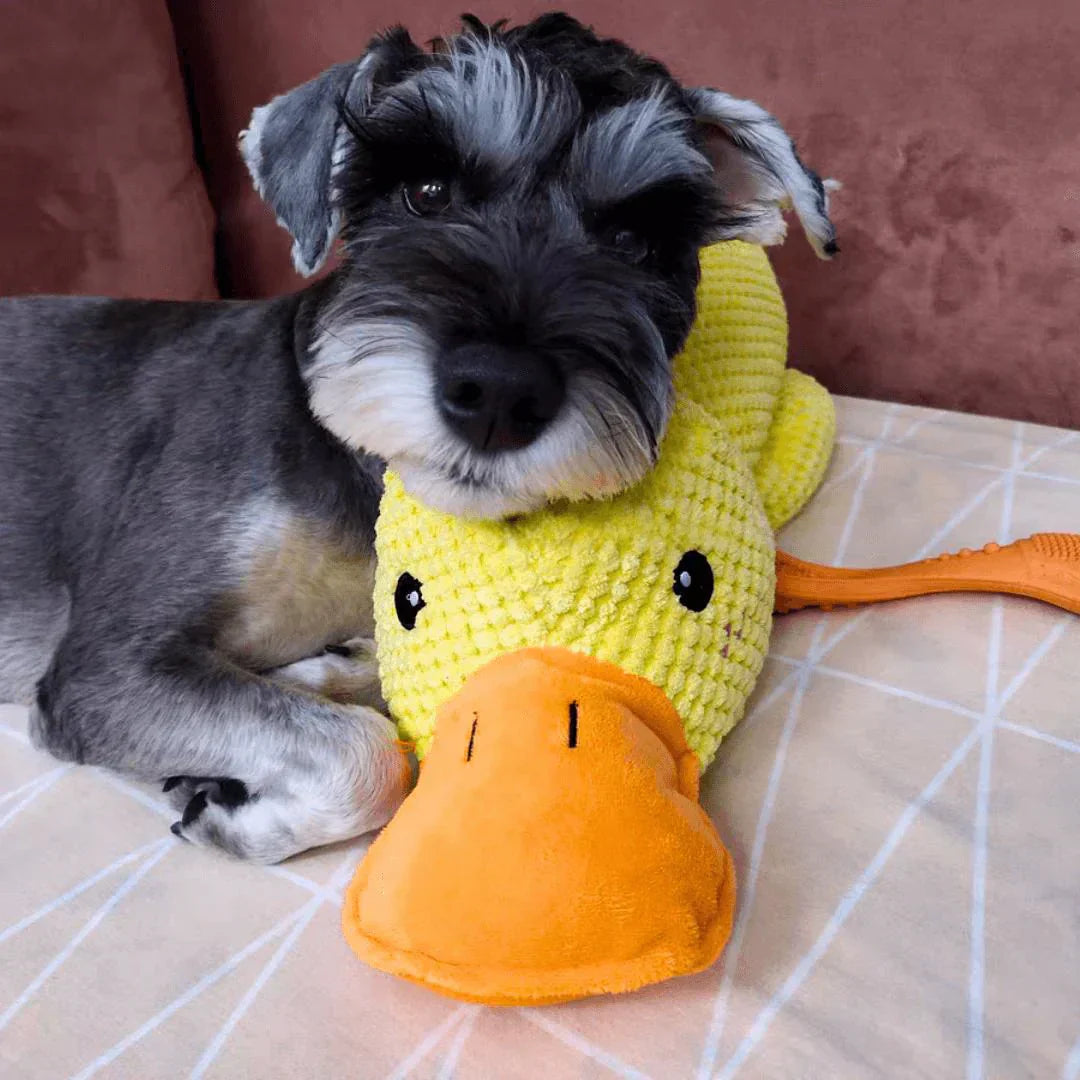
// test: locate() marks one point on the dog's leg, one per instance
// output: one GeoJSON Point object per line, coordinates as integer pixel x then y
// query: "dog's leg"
{"type": "Point", "coordinates": [291, 769]}
{"type": "Point", "coordinates": [347, 673]}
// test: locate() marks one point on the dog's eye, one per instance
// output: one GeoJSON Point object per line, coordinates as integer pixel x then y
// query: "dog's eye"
{"type": "Point", "coordinates": [424, 197]}
{"type": "Point", "coordinates": [629, 245]}
{"type": "Point", "coordinates": [408, 600]}
{"type": "Point", "coordinates": [694, 581]}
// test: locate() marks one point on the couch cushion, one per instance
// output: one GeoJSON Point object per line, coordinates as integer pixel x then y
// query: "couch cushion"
{"type": "Point", "coordinates": [99, 188]}
{"type": "Point", "coordinates": [959, 281]}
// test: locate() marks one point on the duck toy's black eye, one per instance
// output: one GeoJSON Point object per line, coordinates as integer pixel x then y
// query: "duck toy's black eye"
{"type": "Point", "coordinates": [694, 581]}
{"type": "Point", "coordinates": [408, 600]}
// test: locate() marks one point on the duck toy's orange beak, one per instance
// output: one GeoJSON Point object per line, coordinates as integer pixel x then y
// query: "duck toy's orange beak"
{"type": "Point", "coordinates": [554, 847]}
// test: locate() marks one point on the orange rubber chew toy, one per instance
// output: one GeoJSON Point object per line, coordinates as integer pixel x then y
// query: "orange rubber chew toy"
{"type": "Point", "coordinates": [1045, 567]}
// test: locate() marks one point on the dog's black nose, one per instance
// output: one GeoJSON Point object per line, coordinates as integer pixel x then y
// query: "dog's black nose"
{"type": "Point", "coordinates": [497, 398]}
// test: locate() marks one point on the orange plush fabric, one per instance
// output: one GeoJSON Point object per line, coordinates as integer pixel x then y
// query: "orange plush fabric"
{"type": "Point", "coordinates": [554, 846]}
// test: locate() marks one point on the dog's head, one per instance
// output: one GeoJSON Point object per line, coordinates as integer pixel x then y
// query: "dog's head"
{"type": "Point", "coordinates": [522, 210]}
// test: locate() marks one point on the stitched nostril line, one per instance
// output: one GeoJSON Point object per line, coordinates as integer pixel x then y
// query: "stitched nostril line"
{"type": "Point", "coordinates": [472, 737]}
{"type": "Point", "coordinates": [571, 739]}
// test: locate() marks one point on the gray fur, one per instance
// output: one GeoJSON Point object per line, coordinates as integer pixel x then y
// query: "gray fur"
{"type": "Point", "coordinates": [625, 149]}
{"type": "Point", "coordinates": [502, 113]}
{"type": "Point", "coordinates": [188, 492]}
{"type": "Point", "coordinates": [122, 493]}
{"type": "Point", "coordinates": [289, 148]}
{"type": "Point", "coordinates": [511, 117]}
{"type": "Point", "coordinates": [760, 174]}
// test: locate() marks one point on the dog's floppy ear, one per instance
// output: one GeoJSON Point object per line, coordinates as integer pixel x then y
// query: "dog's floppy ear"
{"type": "Point", "coordinates": [759, 174]}
{"type": "Point", "coordinates": [294, 145]}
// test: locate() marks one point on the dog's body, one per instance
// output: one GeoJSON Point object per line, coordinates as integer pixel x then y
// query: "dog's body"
{"type": "Point", "coordinates": [187, 492]}
{"type": "Point", "coordinates": [171, 554]}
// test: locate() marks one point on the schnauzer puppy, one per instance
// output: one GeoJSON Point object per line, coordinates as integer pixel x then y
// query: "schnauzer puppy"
{"type": "Point", "coordinates": [188, 491]}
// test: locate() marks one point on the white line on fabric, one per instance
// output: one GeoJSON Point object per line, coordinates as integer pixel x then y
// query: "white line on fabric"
{"type": "Point", "coordinates": [976, 1016]}
{"type": "Point", "coordinates": [308, 913]}
{"type": "Point", "coordinates": [429, 1042]}
{"type": "Point", "coordinates": [14, 793]}
{"type": "Point", "coordinates": [835, 481]}
{"type": "Point", "coordinates": [76, 890]}
{"type": "Point", "coordinates": [43, 784]}
{"type": "Point", "coordinates": [1071, 481]}
{"type": "Point", "coordinates": [18, 736]}
{"type": "Point", "coordinates": [765, 1018]}
{"type": "Point", "coordinates": [91, 924]}
{"type": "Point", "coordinates": [1071, 1069]}
{"type": "Point", "coordinates": [984, 466]}
{"type": "Point", "coordinates": [1053, 740]}
{"type": "Point", "coordinates": [857, 496]}
{"type": "Point", "coordinates": [734, 948]}
{"type": "Point", "coordinates": [848, 904]}
{"type": "Point", "coordinates": [188, 996]}
{"type": "Point", "coordinates": [980, 829]}
{"type": "Point", "coordinates": [1037, 656]}
{"type": "Point", "coordinates": [885, 688]}
{"type": "Point", "coordinates": [582, 1045]}
{"type": "Point", "coordinates": [457, 1044]}
{"type": "Point", "coordinates": [711, 1045]}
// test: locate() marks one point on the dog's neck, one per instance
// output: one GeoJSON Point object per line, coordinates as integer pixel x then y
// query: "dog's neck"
{"type": "Point", "coordinates": [313, 304]}
{"type": "Point", "coordinates": [350, 480]}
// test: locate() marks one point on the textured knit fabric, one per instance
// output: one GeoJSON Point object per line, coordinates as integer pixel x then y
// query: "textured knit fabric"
{"type": "Point", "coordinates": [734, 365]}
{"type": "Point", "coordinates": [798, 448]}
{"type": "Point", "coordinates": [598, 577]}
{"type": "Point", "coordinates": [734, 360]}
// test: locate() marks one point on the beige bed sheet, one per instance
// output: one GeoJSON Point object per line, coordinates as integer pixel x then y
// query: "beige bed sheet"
{"type": "Point", "coordinates": [903, 800]}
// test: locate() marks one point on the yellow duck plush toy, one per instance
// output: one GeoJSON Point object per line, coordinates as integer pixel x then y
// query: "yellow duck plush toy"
{"type": "Point", "coordinates": [566, 675]}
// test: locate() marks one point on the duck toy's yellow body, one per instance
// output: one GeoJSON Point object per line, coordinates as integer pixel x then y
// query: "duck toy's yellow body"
{"type": "Point", "coordinates": [566, 675]}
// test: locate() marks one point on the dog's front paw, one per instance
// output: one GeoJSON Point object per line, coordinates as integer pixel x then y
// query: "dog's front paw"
{"type": "Point", "coordinates": [265, 827]}
{"type": "Point", "coordinates": [250, 828]}
{"type": "Point", "coordinates": [353, 786]}
{"type": "Point", "coordinates": [346, 787]}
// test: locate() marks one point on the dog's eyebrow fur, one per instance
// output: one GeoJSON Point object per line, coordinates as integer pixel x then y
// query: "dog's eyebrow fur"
{"type": "Point", "coordinates": [632, 147]}
{"type": "Point", "coordinates": [403, 137]}
{"type": "Point", "coordinates": [501, 111]}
